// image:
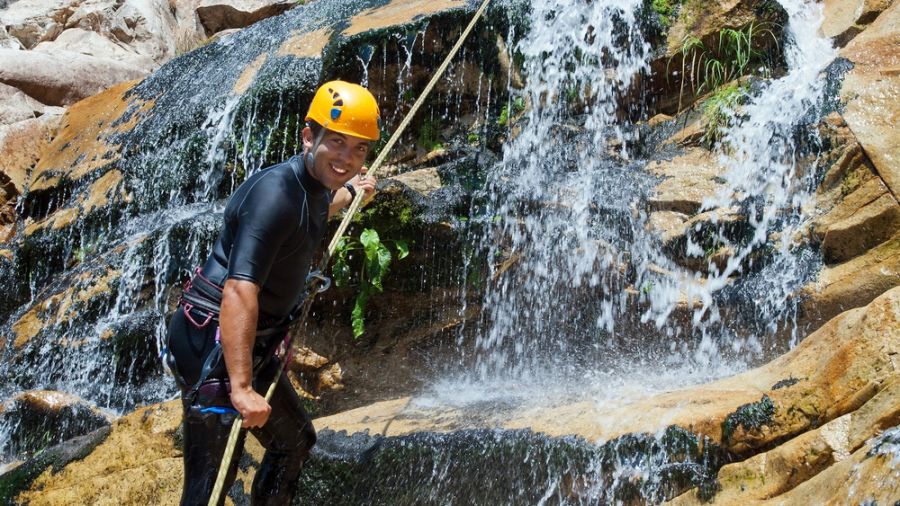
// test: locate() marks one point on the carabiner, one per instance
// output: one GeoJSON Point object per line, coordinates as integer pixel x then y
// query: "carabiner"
{"type": "Point", "coordinates": [317, 278]}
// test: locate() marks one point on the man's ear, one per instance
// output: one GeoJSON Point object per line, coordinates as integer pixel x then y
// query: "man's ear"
{"type": "Point", "coordinates": [307, 139]}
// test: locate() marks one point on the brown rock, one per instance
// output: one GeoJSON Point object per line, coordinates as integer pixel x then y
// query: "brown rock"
{"type": "Point", "coordinates": [140, 450]}
{"type": "Point", "coordinates": [844, 19]}
{"type": "Point", "coordinates": [689, 178]}
{"type": "Point", "coordinates": [397, 12]}
{"type": "Point", "coordinates": [80, 148]}
{"type": "Point", "coordinates": [305, 359]}
{"type": "Point", "coordinates": [869, 476]}
{"type": "Point", "coordinates": [853, 283]}
{"type": "Point", "coordinates": [423, 181]}
{"type": "Point", "coordinates": [330, 379]}
{"type": "Point", "coordinates": [872, 93]}
{"type": "Point", "coordinates": [62, 78]}
{"type": "Point", "coordinates": [864, 218]}
{"type": "Point", "coordinates": [34, 21]}
{"type": "Point", "coordinates": [667, 224]}
{"type": "Point", "coordinates": [777, 471]}
{"type": "Point", "coordinates": [218, 15]}
{"type": "Point", "coordinates": [21, 145]}
{"type": "Point", "coordinates": [705, 19]}
{"type": "Point", "coordinates": [869, 226]}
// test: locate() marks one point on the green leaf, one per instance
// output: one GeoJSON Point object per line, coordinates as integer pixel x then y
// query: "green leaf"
{"type": "Point", "coordinates": [358, 316]}
{"type": "Point", "coordinates": [402, 249]}
{"type": "Point", "coordinates": [369, 239]}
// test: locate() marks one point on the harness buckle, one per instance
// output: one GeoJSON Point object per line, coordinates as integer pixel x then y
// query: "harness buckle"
{"type": "Point", "coordinates": [318, 282]}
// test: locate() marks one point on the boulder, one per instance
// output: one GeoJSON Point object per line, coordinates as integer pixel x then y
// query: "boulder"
{"type": "Point", "coordinates": [17, 106]}
{"type": "Point", "coordinates": [142, 448]}
{"type": "Point", "coordinates": [7, 41]}
{"type": "Point", "coordinates": [34, 21]}
{"type": "Point", "coordinates": [62, 78]}
{"type": "Point", "coordinates": [844, 19]}
{"type": "Point", "coordinates": [88, 43]}
{"type": "Point", "coordinates": [218, 15]}
{"type": "Point", "coordinates": [148, 27]}
{"type": "Point", "coordinates": [423, 181]}
{"type": "Point", "coordinates": [872, 93]}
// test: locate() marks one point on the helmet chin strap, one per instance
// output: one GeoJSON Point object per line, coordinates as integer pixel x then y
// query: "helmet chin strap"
{"type": "Point", "coordinates": [310, 159]}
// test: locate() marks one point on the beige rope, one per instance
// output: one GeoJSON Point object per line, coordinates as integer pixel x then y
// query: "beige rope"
{"type": "Point", "coordinates": [332, 246]}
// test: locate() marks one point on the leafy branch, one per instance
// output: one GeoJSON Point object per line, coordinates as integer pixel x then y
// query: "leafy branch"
{"type": "Point", "coordinates": [375, 264]}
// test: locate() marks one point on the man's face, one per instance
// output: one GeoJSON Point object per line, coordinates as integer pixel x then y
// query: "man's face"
{"type": "Point", "coordinates": [339, 157]}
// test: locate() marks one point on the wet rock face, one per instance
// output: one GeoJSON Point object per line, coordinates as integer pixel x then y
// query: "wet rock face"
{"type": "Point", "coordinates": [473, 467]}
{"type": "Point", "coordinates": [36, 420]}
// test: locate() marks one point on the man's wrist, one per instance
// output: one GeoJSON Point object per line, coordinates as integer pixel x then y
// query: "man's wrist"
{"type": "Point", "coordinates": [350, 189]}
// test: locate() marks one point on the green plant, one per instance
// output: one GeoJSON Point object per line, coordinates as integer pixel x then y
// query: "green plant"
{"type": "Point", "coordinates": [710, 68]}
{"type": "Point", "coordinates": [518, 105]}
{"type": "Point", "coordinates": [718, 111]}
{"type": "Point", "coordinates": [375, 264]}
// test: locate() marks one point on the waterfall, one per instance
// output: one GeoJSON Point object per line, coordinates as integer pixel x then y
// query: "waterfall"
{"type": "Point", "coordinates": [582, 295]}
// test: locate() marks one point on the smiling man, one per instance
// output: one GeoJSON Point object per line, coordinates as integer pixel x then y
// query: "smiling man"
{"type": "Point", "coordinates": [239, 304]}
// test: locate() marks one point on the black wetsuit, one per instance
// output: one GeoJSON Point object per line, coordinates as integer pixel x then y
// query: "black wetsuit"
{"type": "Point", "coordinates": [273, 223]}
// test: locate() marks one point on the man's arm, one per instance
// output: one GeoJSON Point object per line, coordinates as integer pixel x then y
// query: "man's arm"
{"type": "Point", "coordinates": [342, 197]}
{"type": "Point", "coordinates": [237, 322]}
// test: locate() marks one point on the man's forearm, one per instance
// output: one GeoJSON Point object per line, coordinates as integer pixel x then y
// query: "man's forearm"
{"type": "Point", "coordinates": [238, 331]}
{"type": "Point", "coordinates": [340, 200]}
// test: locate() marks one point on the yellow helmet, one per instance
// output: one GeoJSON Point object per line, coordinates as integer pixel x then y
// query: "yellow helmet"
{"type": "Point", "coordinates": [346, 108]}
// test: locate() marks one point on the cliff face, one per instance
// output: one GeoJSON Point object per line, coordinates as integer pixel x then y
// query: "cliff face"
{"type": "Point", "coordinates": [109, 199]}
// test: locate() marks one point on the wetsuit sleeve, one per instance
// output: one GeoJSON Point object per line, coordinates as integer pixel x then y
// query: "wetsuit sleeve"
{"type": "Point", "coordinates": [265, 220]}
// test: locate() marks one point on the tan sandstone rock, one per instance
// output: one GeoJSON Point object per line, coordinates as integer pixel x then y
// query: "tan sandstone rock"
{"type": "Point", "coordinates": [62, 78]}
{"type": "Point", "coordinates": [853, 283]}
{"type": "Point", "coordinates": [90, 43]}
{"type": "Point", "coordinates": [21, 144]}
{"type": "Point", "coordinates": [137, 464]}
{"type": "Point", "coordinates": [781, 469]}
{"type": "Point", "coordinates": [688, 179]}
{"type": "Point", "coordinates": [423, 181]}
{"type": "Point", "coordinates": [872, 93]}
{"type": "Point", "coordinates": [844, 19]}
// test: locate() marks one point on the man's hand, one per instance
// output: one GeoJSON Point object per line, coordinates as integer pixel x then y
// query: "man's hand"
{"type": "Point", "coordinates": [360, 183]}
{"type": "Point", "coordinates": [253, 407]}
{"type": "Point", "coordinates": [364, 184]}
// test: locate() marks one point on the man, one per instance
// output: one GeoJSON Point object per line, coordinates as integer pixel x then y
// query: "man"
{"type": "Point", "coordinates": [239, 304]}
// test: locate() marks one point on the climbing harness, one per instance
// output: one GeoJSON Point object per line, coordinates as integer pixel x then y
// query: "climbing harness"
{"type": "Point", "coordinates": [318, 282]}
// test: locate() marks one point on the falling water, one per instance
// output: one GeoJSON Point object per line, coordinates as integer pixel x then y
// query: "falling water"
{"type": "Point", "coordinates": [581, 288]}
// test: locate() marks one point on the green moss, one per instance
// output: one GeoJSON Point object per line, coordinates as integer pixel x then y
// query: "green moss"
{"type": "Point", "coordinates": [750, 416]}
{"type": "Point", "coordinates": [665, 10]}
{"type": "Point", "coordinates": [429, 137]}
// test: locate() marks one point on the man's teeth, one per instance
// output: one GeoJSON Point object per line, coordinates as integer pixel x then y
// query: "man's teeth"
{"type": "Point", "coordinates": [339, 171]}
